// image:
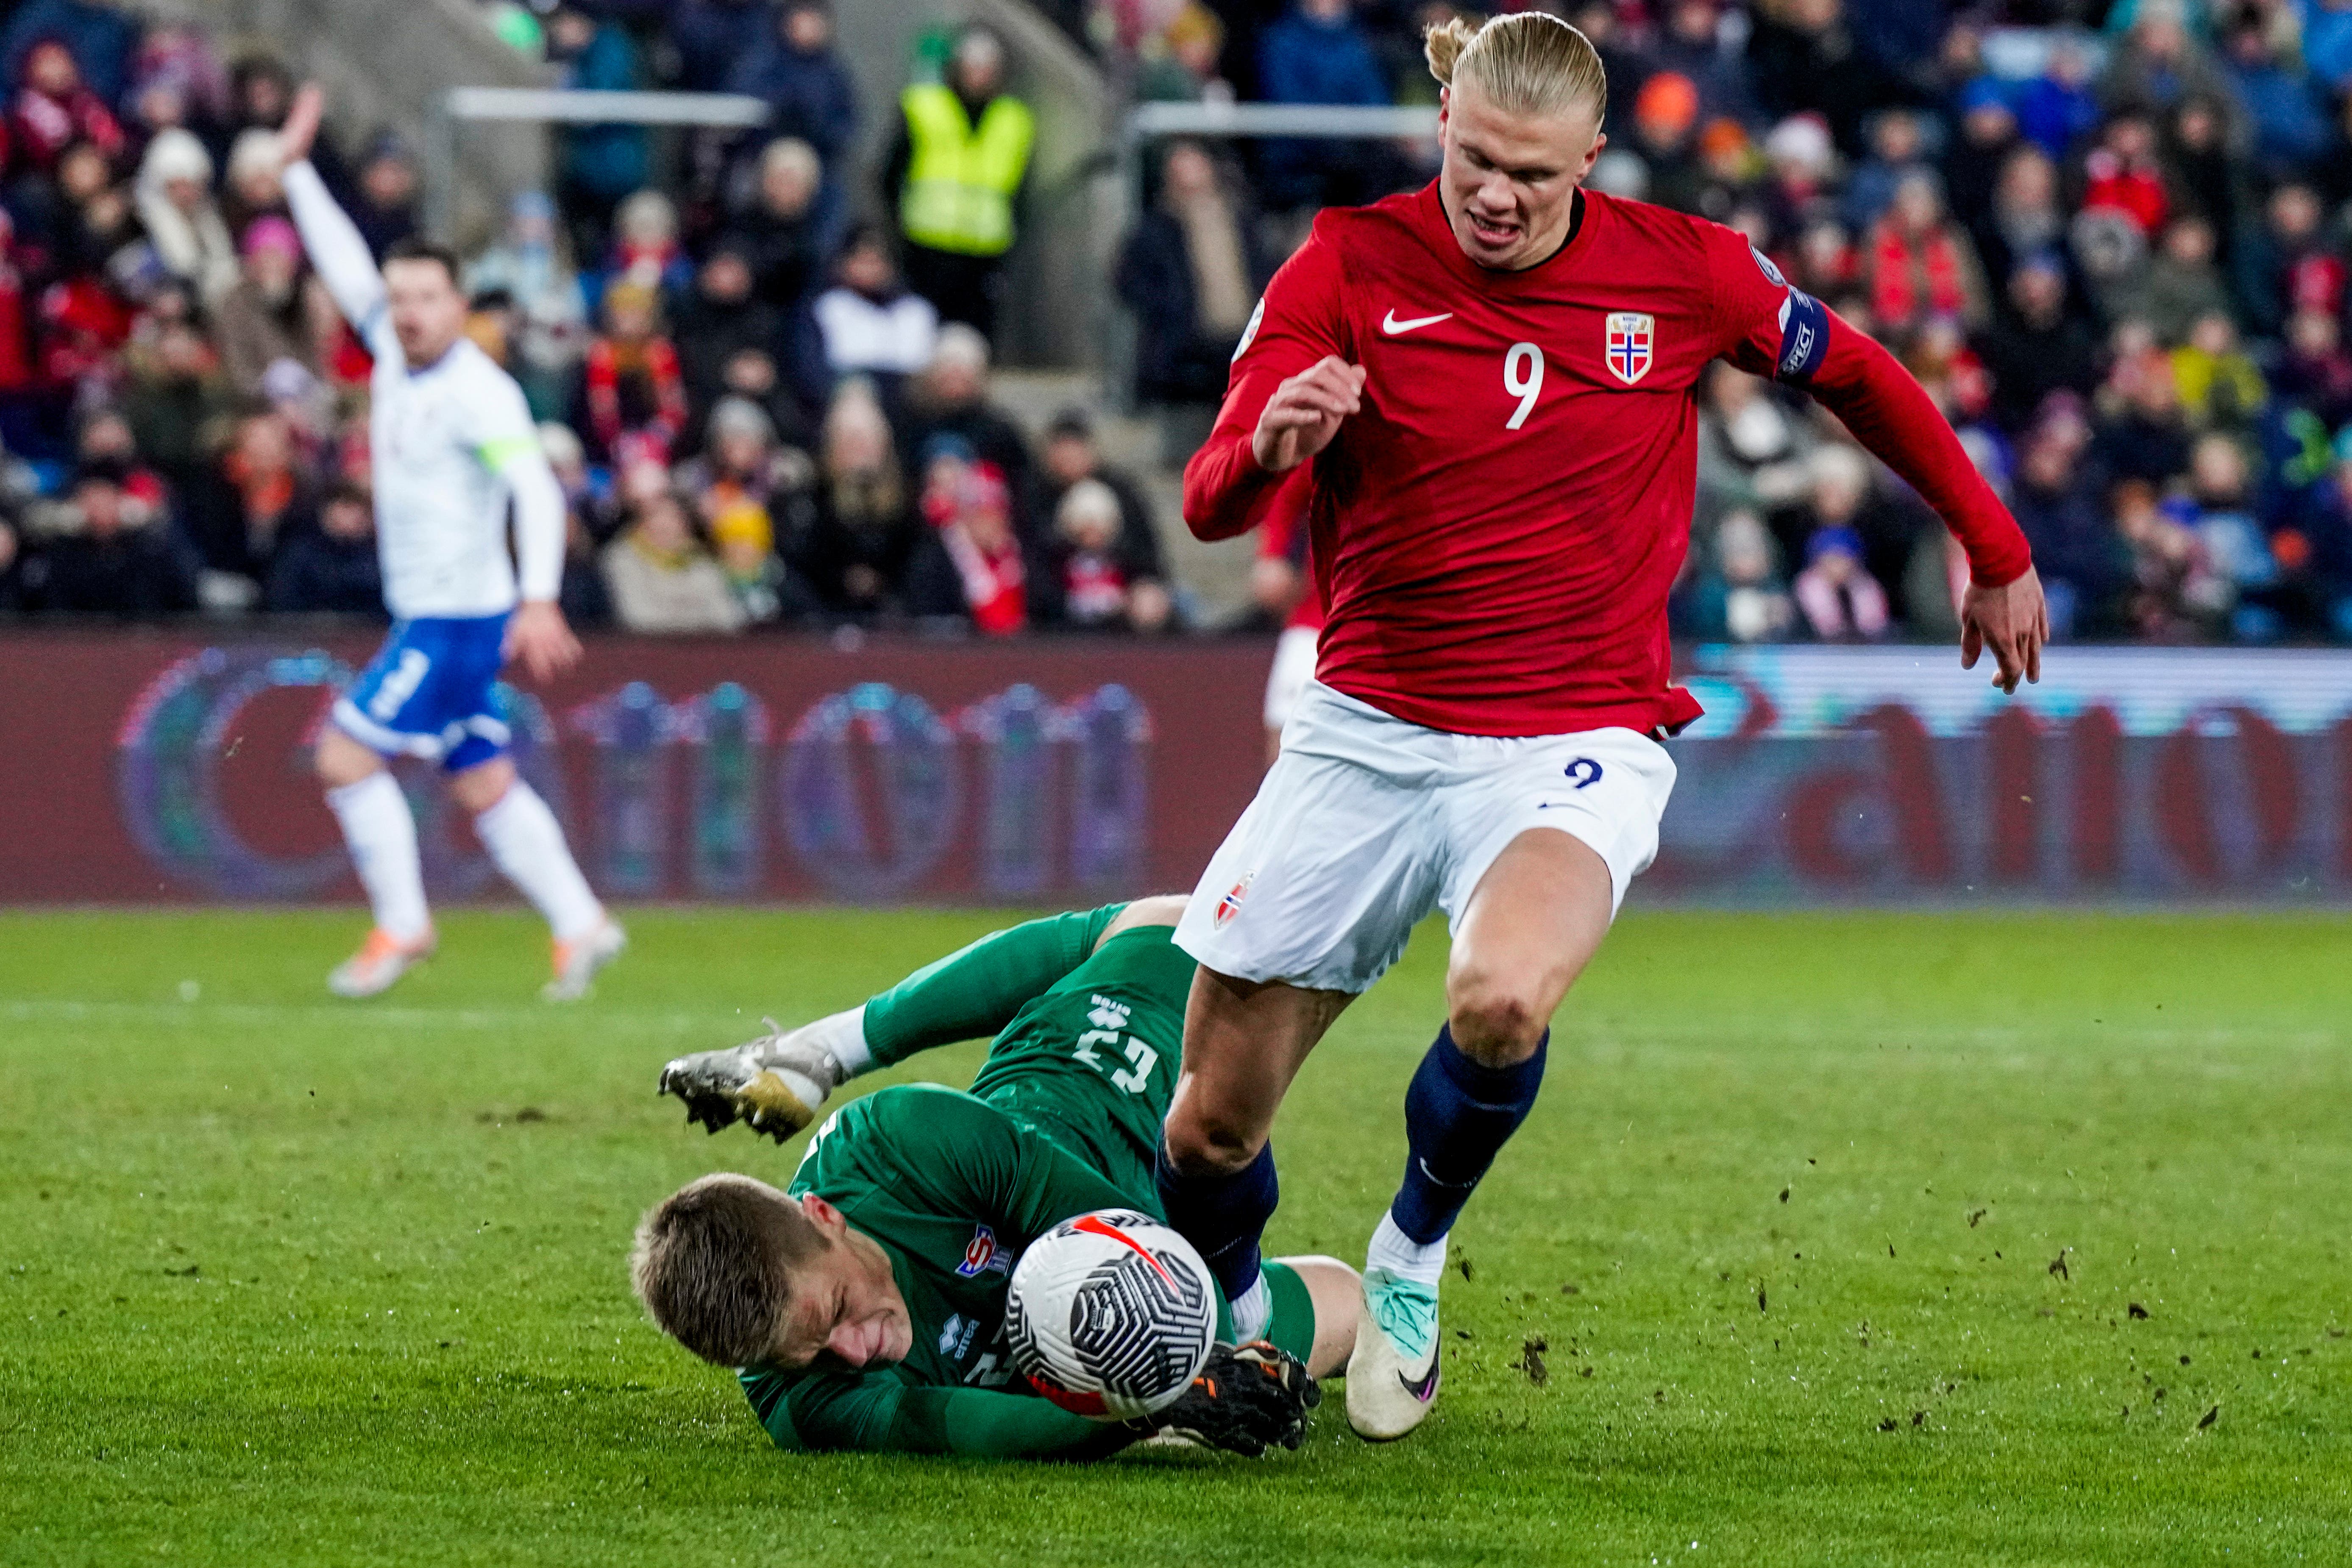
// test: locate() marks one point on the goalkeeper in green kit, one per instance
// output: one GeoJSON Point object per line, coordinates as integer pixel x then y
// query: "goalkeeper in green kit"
{"type": "Point", "coordinates": [864, 1305]}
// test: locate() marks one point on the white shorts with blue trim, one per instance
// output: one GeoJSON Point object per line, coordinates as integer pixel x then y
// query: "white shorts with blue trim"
{"type": "Point", "coordinates": [431, 692]}
{"type": "Point", "coordinates": [1366, 823]}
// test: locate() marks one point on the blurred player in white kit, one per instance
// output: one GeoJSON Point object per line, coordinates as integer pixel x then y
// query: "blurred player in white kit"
{"type": "Point", "coordinates": [452, 443]}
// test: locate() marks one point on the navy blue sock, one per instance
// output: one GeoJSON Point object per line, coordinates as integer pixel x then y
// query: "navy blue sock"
{"type": "Point", "coordinates": [1458, 1114]}
{"type": "Point", "coordinates": [1222, 1216]}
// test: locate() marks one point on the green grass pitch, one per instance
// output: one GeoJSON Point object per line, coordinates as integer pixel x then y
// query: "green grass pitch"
{"type": "Point", "coordinates": [1835, 1239]}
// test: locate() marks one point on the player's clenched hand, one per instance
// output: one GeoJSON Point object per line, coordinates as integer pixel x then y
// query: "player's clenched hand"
{"type": "Point", "coordinates": [1304, 411]}
{"type": "Point", "coordinates": [539, 639]}
{"type": "Point", "coordinates": [1247, 1399]}
{"type": "Point", "coordinates": [2014, 621]}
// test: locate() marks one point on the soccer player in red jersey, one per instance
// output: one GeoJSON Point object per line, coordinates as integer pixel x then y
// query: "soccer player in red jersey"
{"type": "Point", "coordinates": [1494, 381]}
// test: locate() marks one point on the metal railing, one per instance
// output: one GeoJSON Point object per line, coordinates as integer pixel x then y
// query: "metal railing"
{"type": "Point", "coordinates": [554, 106]}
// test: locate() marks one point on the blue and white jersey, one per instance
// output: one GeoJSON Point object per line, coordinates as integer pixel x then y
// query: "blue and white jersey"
{"type": "Point", "coordinates": [452, 443]}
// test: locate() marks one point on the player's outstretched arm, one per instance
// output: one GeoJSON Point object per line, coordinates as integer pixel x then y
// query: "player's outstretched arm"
{"type": "Point", "coordinates": [1892, 417]}
{"type": "Point", "coordinates": [345, 264]}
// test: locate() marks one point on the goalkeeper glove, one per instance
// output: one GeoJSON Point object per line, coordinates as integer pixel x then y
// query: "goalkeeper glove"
{"type": "Point", "coordinates": [1247, 1399]}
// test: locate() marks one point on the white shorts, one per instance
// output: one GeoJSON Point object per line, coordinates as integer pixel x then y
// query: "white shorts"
{"type": "Point", "coordinates": [1366, 823]}
{"type": "Point", "coordinates": [1294, 666]}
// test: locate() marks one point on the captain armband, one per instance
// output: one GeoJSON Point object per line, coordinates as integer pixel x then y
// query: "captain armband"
{"type": "Point", "coordinates": [1804, 337]}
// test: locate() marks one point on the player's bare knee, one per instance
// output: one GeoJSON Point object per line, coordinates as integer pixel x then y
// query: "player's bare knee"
{"type": "Point", "coordinates": [340, 761]}
{"type": "Point", "coordinates": [1209, 1145]}
{"type": "Point", "coordinates": [1494, 1022]}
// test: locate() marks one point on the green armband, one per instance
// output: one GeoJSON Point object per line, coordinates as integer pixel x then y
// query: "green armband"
{"type": "Point", "coordinates": [497, 453]}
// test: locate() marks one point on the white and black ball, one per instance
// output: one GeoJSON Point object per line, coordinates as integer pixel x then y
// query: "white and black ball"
{"type": "Point", "coordinates": [1111, 1314]}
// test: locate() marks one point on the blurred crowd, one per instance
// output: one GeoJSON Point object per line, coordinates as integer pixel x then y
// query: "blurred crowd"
{"type": "Point", "coordinates": [2110, 237]}
{"type": "Point", "coordinates": [766, 407]}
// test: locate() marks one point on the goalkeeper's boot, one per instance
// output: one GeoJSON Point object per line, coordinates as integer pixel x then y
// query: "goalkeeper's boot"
{"type": "Point", "coordinates": [576, 961]}
{"type": "Point", "coordinates": [1392, 1375]}
{"type": "Point", "coordinates": [776, 1082]}
{"type": "Point", "coordinates": [382, 959]}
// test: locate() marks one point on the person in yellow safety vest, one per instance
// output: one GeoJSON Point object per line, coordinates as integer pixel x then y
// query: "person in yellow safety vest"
{"type": "Point", "coordinates": [953, 176]}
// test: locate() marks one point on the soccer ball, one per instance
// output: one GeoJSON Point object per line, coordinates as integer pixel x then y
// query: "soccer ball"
{"type": "Point", "coordinates": [1111, 1314]}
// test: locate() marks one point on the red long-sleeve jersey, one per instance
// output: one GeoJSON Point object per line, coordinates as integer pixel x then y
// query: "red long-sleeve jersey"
{"type": "Point", "coordinates": [1495, 532]}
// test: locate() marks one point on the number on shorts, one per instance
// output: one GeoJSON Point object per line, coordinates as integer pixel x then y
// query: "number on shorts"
{"type": "Point", "coordinates": [1585, 772]}
{"type": "Point", "coordinates": [1522, 371]}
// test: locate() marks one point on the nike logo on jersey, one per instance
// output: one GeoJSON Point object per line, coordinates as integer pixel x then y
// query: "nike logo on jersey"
{"type": "Point", "coordinates": [1390, 325]}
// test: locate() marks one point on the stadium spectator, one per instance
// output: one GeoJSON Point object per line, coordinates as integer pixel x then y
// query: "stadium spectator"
{"type": "Point", "coordinates": [870, 323]}
{"type": "Point", "coordinates": [2158, 63]}
{"type": "Point", "coordinates": [597, 165]}
{"type": "Point", "coordinates": [1317, 52]}
{"type": "Point", "coordinates": [53, 110]}
{"type": "Point", "coordinates": [175, 208]}
{"type": "Point", "coordinates": [2079, 556]}
{"type": "Point", "coordinates": [2122, 175]}
{"type": "Point", "coordinates": [951, 398]}
{"type": "Point", "coordinates": [1985, 139]}
{"type": "Point", "coordinates": [743, 540]}
{"type": "Point", "coordinates": [1694, 43]}
{"type": "Point", "coordinates": [2059, 107]}
{"type": "Point", "coordinates": [1091, 581]}
{"type": "Point", "coordinates": [633, 388]}
{"type": "Point", "coordinates": [1753, 451]}
{"type": "Point", "coordinates": [2036, 348]}
{"type": "Point", "coordinates": [1802, 162]}
{"type": "Point", "coordinates": [1665, 127]}
{"type": "Point", "coordinates": [660, 577]}
{"type": "Point", "coordinates": [92, 221]}
{"type": "Point", "coordinates": [100, 35]}
{"type": "Point", "coordinates": [971, 568]}
{"type": "Point", "coordinates": [2216, 509]}
{"type": "Point", "coordinates": [174, 392]}
{"type": "Point", "coordinates": [2219, 384]}
{"type": "Point", "coordinates": [17, 368]}
{"type": "Point", "coordinates": [1842, 494]}
{"type": "Point", "coordinates": [1189, 274]}
{"type": "Point", "coordinates": [777, 230]}
{"type": "Point", "coordinates": [1186, 66]}
{"type": "Point", "coordinates": [2327, 533]}
{"type": "Point", "coordinates": [2289, 264]}
{"type": "Point", "coordinates": [791, 63]}
{"type": "Point", "coordinates": [1842, 601]}
{"type": "Point", "coordinates": [1736, 590]}
{"type": "Point", "coordinates": [2141, 434]}
{"type": "Point", "coordinates": [1898, 150]}
{"type": "Point", "coordinates": [1127, 547]}
{"type": "Point", "coordinates": [2315, 372]}
{"type": "Point", "coordinates": [742, 459]}
{"type": "Point", "coordinates": [2199, 168]}
{"type": "Point", "coordinates": [531, 266]}
{"type": "Point", "coordinates": [866, 529]}
{"type": "Point", "coordinates": [2327, 41]}
{"type": "Point", "coordinates": [265, 319]}
{"type": "Point", "coordinates": [12, 569]}
{"type": "Point", "coordinates": [2266, 73]}
{"type": "Point", "coordinates": [2174, 594]}
{"type": "Point", "coordinates": [2022, 217]}
{"type": "Point", "coordinates": [724, 317]}
{"type": "Point", "coordinates": [107, 552]}
{"type": "Point", "coordinates": [330, 569]}
{"type": "Point", "coordinates": [256, 496]}
{"type": "Point", "coordinates": [714, 37]}
{"type": "Point", "coordinates": [250, 183]}
{"type": "Point", "coordinates": [645, 247]}
{"type": "Point", "coordinates": [958, 159]}
{"type": "Point", "coordinates": [1802, 57]}
{"type": "Point", "coordinates": [2183, 282]}
{"type": "Point", "coordinates": [1916, 263]}
{"type": "Point", "coordinates": [386, 205]}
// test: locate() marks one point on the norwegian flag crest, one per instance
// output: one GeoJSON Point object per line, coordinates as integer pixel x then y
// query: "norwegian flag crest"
{"type": "Point", "coordinates": [1627, 346]}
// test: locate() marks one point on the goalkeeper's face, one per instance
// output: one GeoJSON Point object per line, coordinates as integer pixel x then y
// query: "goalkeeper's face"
{"type": "Point", "coordinates": [845, 1311]}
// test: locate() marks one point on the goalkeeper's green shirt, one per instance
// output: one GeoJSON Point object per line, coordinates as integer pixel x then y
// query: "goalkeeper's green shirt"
{"type": "Point", "coordinates": [953, 1187]}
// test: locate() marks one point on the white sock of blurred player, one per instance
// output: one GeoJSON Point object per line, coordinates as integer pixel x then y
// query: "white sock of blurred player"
{"type": "Point", "coordinates": [527, 842]}
{"type": "Point", "coordinates": [381, 836]}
